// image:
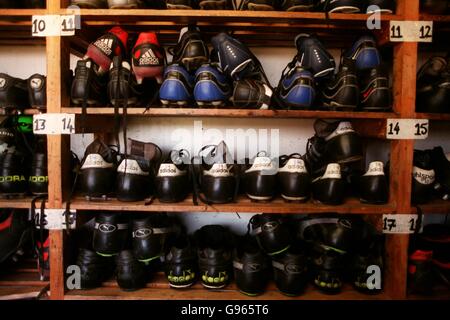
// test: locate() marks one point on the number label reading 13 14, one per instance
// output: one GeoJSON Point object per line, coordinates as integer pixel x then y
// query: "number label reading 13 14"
{"type": "Point", "coordinates": [54, 123]}
{"type": "Point", "coordinates": [411, 31]}
{"type": "Point", "coordinates": [407, 129]}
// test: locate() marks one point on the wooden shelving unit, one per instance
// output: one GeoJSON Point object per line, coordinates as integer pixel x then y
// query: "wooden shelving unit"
{"type": "Point", "coordinates": [253, 28]}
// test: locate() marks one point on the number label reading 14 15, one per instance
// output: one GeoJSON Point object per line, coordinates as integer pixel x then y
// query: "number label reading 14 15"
{"type": "Point", "coordinates": [407, 129]}
{"type": "Point", "coordinates": [411, 31]}
{"type": "Point", "coordinates": [401, 223]}
{"type": "Point", "coordinates": [54, 123]}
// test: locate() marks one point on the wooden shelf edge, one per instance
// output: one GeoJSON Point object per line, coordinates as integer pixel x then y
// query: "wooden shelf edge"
{"type": "Point", "coordinates": [6, 13]}
{"type": "Point", "coordinates": [114, 14]}
{"type": "Point", "coordinates": [433, 116]}
{"type": "Point", "coordinates": [234, 113]}
{"type": "Point", "coordinates": [24, 203]}
{"type": "Point", "coordinates": [351, 206]}
{"type": "Point", "coordinates": [435, 207]}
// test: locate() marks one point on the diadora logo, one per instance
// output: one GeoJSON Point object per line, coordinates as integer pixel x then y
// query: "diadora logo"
{"type": "Point", "coordinates": [148, 57]}
{"type": "Point", "coordinates": [12, 179]}
{"type": "Point", "coordinates": [105, 45]}
{"type": "Point", "coordinates": [2, 82]}
{"type": "Point", "coordinates": [142, 233]}
{"type": "Point", "coordinates": [293, 268]}
{"type": "Point", "coordinates": [107, 228]}
{"type": "Point", "coordinates": [5, 133]}
{"type": "Point", "coordinates": [254, 267]}
{"type": "Point", "coordinates": [38, 179]}
{"type": "Point", "coordinates": [270, 226]}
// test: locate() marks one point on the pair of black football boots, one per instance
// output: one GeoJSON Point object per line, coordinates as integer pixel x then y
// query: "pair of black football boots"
{"type": "Point", "coordinates": [431, 175]}
{"type": "Point", "coordinates": [19, 94]}
{"type": "Point", "coordinates": [23, 160]}
{"type": "Point", "coordinates": [134, 247]}
{"type": "Point", "coordinates": [334, 159]}
{"type": "Point", "coordinates": [136, 176]}
{"type": "Point", "coordinates": [433, 85]}
{"type": "Point", "coordinates": [343, 249]}
{"type": "Point", "coordinates": [108, 75]}
{"type": "Point", "coordinates": [361, 83]}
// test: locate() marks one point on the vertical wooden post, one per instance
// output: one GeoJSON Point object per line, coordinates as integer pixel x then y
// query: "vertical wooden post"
{"type": "Point", "coordinates": [405, 65]}
{"type": "Point", "coordinates": [54, 149]}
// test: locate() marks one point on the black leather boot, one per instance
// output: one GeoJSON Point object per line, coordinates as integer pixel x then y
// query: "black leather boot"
{"type": "Point", "coordinates": [38, 180]}
{"type": "Point", "coordinates": [13, 175]}
{"type": "Point", "coordinates": [424, 177]}
{"type": "Point", "coordinates": [441, 165]}
{"type": "Point", "coordinates": [271, 232]}
{"type": "Point", "coordinates": [136, 173]}
{"type": "Point", "coordinates": [373, 185]}
{"type": "Point", "coordinates": [130, 273]}
{"type": "Point", "coordinates": [251, 267]}
{"type": "Point", "coordinates": [214, 249]}
{"type": "Point", "coordinates": [294, 180]}
{"type": "Point", "coordinates": [330, 187]}
{"type": "Point", "coordinates": [181, 263]}
{"type": "Point", "coordinates": [13, 93]}
{"type": "Point", "coordinates": [172, 182]}
{"type": "Point", "coordinates": [37, 91]}
{"type": "Point", "coordinates": [94, 268]}
{"type": "Point", "coordinates": [110, 234]}
{"type": "Point", "coordinates": [98, 170]}
{"type": "Point", "coordinates": [149, 236]}
{"type": "Point", "coordinates": [261, 177]}
{"type": "Point", "coordinates": [291, 271]}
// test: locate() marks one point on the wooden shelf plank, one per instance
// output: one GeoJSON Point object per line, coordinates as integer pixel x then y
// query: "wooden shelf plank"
{"type": "Point", "coordinates": [24, 203]}
{"type": "Point", "coordinates": [235, 113]}
{"type": "Point", "coordinates": [439, 293]}
{"type": "Point", "coordinates": [160, 289]}
{"type": "Point", "coordinates": [29, 292]}
{"type": "Point", "coordinates": [24, 13]}
{"type": "Point", "coordinates": [352, 206]}
{"type": "Point", "coordinates": [217, 16]}
{"type": "Point", "coordinates": [433, 116]}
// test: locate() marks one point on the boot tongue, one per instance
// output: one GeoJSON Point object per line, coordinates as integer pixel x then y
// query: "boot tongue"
{"type": "Point", "coordinates": [324, 128]}
{"type": "Point", "coordinates": [143, 151]}
{"type": "Point", "coordinates": [375, 169]}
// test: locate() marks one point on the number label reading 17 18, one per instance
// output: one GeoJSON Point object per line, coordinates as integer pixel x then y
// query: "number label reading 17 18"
{"type": "Point", "coordinates": [401, 223]}
{"type": "Point", "coordinates": [407, 129]}
{"type": "Point", "coordinates": [411, 31]}
{"type": "Point", "coordinates": [54, 123]}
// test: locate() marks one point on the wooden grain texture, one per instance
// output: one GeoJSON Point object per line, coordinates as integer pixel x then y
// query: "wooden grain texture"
{"type": "Point", "coordinates": [234, 113]}
{"type": "Point", "coordinates": [24, 203]}
{"type": "Point", "coordinates": [436, 207]}
{"type": "Point", "coordinates": [433, 116]}
{"type": "Point", "coordinates": [243, 204]}
{"type": "Point", "coordinates": [17, 292]}
{"type": "Point", "coordinates": [405, 64]}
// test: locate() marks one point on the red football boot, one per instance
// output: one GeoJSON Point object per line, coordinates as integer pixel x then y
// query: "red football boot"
{"type": "Point", "coordinates": [102, 51]}
{"type": "Point", "coordinates": [148, 58]}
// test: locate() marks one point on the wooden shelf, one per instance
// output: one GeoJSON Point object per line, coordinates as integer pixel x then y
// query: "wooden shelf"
{"type": "Point", "coordinates": [24, 203]}
{"type": "Point", "coordinates": [351, 205]}
{"type": "Point", "coordinates": [234, 113]}
{"type": "Point", "coordinates": [434, 116]}
{"type": "Point", "coordinates": [22, 282]}
{"type": "Point", "coordinates": [160, 289]}
{"type": "Point", "coordinates": [439, 293]}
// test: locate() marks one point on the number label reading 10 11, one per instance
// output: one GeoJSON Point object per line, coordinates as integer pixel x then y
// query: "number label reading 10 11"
{"type": "Point", "coordinates": [54, 123]}
{"type": "Point", "coordinates": [52, 25]}
{"type": "Point", "coordinates": [400, 223]}
{"type": "Point", "coordinates": [404, 129]}
{"type": "Point", "coordinates": [411, 31]}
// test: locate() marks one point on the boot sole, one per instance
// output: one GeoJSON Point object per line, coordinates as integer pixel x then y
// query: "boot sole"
{"type": "Point", "coordinates": [101, 198]}
{"type": "Point", "coordinates": [211, 104]}
{"type": "Point", "coordinates": [172, 103]}
{"type": "Point", "coordinates": [296, 199]}
{"type": "Point", "coordinates": [257, 198]}
{"type": "Point", "coordinates": [12, 195]}
{"type": "Point", "coordinates": [178, 7]}
{"type": "Point", "coordinates": [345, 9]}
{"type": "Point", "coordinates": [213, 287]}
{"type": "Point", "coordinates": [130, 102]}
{"type": "Point", "coordinates": [124, 6]}
{"type": "Point", "coordinates": [213, 5]}
{"type": "Point", "coordinates": [334, 106]}
{"type": "Point", "coordinates": [260, 7]}
{"type": "Point", "coordinates": [180, 286]}
{"type": "Point", "coordinates": [300, 8]}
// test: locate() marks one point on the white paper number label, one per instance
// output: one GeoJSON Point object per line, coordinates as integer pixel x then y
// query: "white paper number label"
{"type": "Point", "coordinates": [401, 223]}
{"type": "Point", "coordinates": [55, 219]}
{"type": "Point", "coordinates": [411, 31]}
{"type": "Point", "coordinates": [54, 123]}
{"type": "Point", "coordinates": [404, 129]}
{"type": "Point", "coordinates": [53, 25]}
